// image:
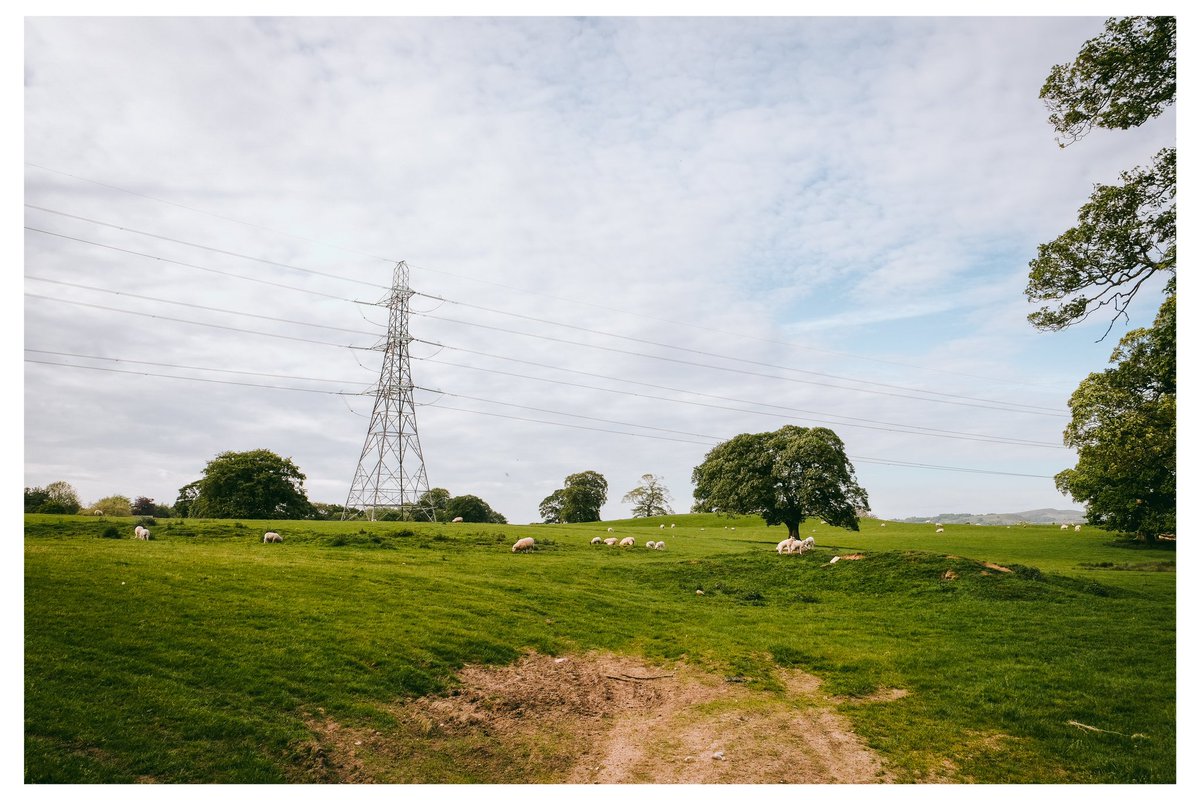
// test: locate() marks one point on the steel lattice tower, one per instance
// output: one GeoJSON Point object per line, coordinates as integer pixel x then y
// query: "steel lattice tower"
{"type": "Point", "coordinates": [391, 470]}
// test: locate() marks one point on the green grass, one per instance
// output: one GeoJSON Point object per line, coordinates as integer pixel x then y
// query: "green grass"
{"type": "Point", "coordinates": [197, 657]}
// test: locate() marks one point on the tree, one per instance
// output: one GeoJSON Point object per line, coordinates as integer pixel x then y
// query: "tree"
{"type": "Point", "coordinates": [56, 498]}
{"type": "Point", "coordinates": [1123, 425]}
{"type": "Point", "coordinates": [1126, 233]}
{"type": "Point", "coordinates": [187, 496]}
{"type": "Point", "coordinates": [256, 484]}
{"type": "Point", "coordinates": [435, 500]}
{"type": "Point", "coordinates": [472, 509]}
{"type": "Point", "coordinates": [580, 500]}
{"type": "Point", "coordinates": [143, 506]}
{"type": "Point", "coordinates": [1122, 419]}
{"type": "Point", "coordinates": [785, 477]}
{"type": "Point", "coordinates": [116, 505]}
{"type": "Point", "coordinates": [650, 498]}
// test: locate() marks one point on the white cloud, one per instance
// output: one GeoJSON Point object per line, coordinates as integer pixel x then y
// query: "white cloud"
{"type": "Point", "coordinates": [869, 187]}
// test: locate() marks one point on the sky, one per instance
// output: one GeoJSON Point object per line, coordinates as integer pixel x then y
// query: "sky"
{"type": "Point", "coordinates": [632, 238]}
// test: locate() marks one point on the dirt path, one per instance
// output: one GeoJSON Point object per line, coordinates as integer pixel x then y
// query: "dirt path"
{"type": "Point", "coordinates": [600, 718]}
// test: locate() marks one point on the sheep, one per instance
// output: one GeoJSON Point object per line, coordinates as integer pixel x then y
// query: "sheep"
{"type": "Point", "coordinates": [610, 541]}
{"type": "Point", "coordinates": [804, 545]}
{"type": "Point", "coordinates": [457, 519]}
{"type": "Point", "coordinates": [650, 545]}
{"type": "Point", "coordinates": [141, 533]}
{"type": "Point", "coordinates": [1078, 528]}
{"type": "Point", "coordinates": [1062, 527]}
{"type": "Point", "coordinates": [940, 529]}
{"type": "Point", "coordinates": [883, 524]}
{"type": "Point", "coordinates": [784, 546]}
{"type": "Point", "coordinates": [596, 540]}
{"type": "Point", "coordinates": [628, 541]}
{"type": "Point", "coordinates": [610, 530]}
{"type": "Point", "coordinates": [660, 545]}
{"type": "Point", "coordinates": [523, 545]}
{"type": "Point", "coordinates": [271, 536]}
{"type": "Point", "coordinates": [672, 524]}
{"type": "Point", "coordinates": [98, 513]}
{"type": "Point", "coordinates": [661, 527]}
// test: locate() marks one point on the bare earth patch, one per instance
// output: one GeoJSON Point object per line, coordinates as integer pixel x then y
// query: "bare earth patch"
{"type": "Point", "coordinates": [602, 718]}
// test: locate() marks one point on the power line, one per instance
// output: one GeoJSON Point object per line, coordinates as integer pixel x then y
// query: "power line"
{"type": "Point", "coordinates": [189, 266]}
{"type": "Point", "coordinates": [508, 287]}
{"type": "Point", "coordinates": [693, 351]}
{"type": "Point", "coordinates": [191, 305]}
{"type": "Point", "coordinates": [865, 459]}
{"type": "Point", "coordinates": [184, 366]}
{"type": "Point", "coordinates": [734, 370]}
{"type": "Point", "coordinates": [824, 417]}
{"type": "Point", "coordinates": [194, 322]}
{"type": "Point", "coordinates": [190, 378]}
{"type": "Point", "coordinates": [198, 246]}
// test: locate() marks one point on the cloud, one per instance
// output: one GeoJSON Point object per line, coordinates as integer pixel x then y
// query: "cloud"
{"type": "Point", "coordinates": [854, 197]}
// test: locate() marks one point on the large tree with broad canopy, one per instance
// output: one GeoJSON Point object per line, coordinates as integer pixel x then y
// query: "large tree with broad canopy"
{"type": "Point", "coordinates": [785, 477]}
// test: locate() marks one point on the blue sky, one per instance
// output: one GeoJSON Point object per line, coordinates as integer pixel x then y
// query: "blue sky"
{"type": "Point", "coordinates": [851, 201]}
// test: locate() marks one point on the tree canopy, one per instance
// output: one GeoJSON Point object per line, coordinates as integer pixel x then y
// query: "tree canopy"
{"type": "Point", "coordinates": [471, 509]}
{"type": "Point", "coordinates": [580, 500]}
{"type": "Point", "coordinates": [650, 498]}
{"type": "Point", "coordinates": [1126, 232]}
{"type": "Point", "coordinates": [58, 497]}
{"type": "Point", "coordinates": [784, 477]}
{"type": "Point", "coordinates": [1123, 425]}
{"type": "Point", "coordinates": [116, 505]}
{"type": "Point", "coordinates": [256, 484]}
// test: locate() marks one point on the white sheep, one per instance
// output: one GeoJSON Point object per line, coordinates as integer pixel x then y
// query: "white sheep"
{"type": "Point", "coordinates": [628, 541]}
{"type": "Point", "coordinates": [661, 527]}
{"type": "Point", "coordinates": [523, 545]}
{"type": "Point", "coordinates": [596, 540]}
{"type": "Point", "coordinates": [271, 536]}
{"type": "Point", "coordinates": [883, 524]}
{"type": "Point", "coordinates": [650, 544]}
{"type": "Point", "coordinates": [784, 546]}
{"type": "Point", "coordinates": [804, 545]}
{"type": "Point", "coordinates": [1078, 528]}
{"type": "Point", "coordinates": [141, 533]}
{"type": "Point", "coordinates": [1062, 527]}
{"type": "Point", "coordinates": [610, 541]}
{"type": "Point", "coordinates": [610, 530]}
{"type": "Point", "coordinates": [672, 524]}
{"type": "Point", "coordinates": [940, 529]}
{"type": "Point", "coordinates": [457, 519]}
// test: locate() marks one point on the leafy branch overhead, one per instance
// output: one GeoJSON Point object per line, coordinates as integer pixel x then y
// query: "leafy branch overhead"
{"type": "Point", "coordinates": [1126, 233]}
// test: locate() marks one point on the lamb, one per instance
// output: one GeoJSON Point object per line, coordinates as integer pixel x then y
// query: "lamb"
{"type": "Point", "coordinates": [457, 519]}
{"type": "Point", "coordinates": [271, 536]}
{"type": "Point", "coordinates": [141, 533]}
{"type": "Point", "coordinates": [523, 545]}
{"type": "Point", "coordinates": [804, 545]}
{"type": "Point", "coordinates": [596, 540]}
{"type": "Point", "coordinates": [628, 541]}
{"type": "Point", "coordinates": [610, 541]}
{"type": "Point", "coordinates": [784, 546]}
{"type": "Point", "coordinates": [660, 545]}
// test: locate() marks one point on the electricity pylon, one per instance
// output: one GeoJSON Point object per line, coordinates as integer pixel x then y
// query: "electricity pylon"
{"type": "Point", "coordinates": [391, 470]}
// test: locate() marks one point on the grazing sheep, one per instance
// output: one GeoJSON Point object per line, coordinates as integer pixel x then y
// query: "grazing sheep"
{"type": "Point", "coordinates": [98, 513]}
{"type": "Point", "coordinates": [784, 546]}
{"type": "Point", "coordinates": [940, 529]}
{"type": "Point", "coordinates": [610, 530]}
{"type": "Point", "coordinates": [141, 533]}
{"type": "Point", "coordinates": [660, 545]}
{"type": "Point", "coordinates": [523, 545]}
{"type": "Point", "coordinates": [596, 540]}
{"type": "Point", "coordinates": [660, 527]}
{"type": "Point", "coordinates": [610, 541]}
{"type": "Point", "coordinates": [457, 519]}
{"type": "Point", "coordinates": [1062, 527]}
{"type": "Point", "coordinates": [1078, 528]}
{"type": "Point", "coordinates": [271, 536]}
{"type": "Point", "coordinates": [883, 524]}
{"type": "Point", "coordinates": [650, 545]}
{"type": "Point", "coordinates": [804, 545]}
{"type": "Point", "coordinates": [672, 524]}
{"type": "Point", "coordinates": [628, 541]}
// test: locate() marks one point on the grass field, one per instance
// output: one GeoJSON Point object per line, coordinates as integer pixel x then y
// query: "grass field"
{"type": "Point", "coordinates": [202, 656]}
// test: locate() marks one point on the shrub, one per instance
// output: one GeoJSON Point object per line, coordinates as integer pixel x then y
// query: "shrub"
{"type": "Point", "coordinates": [110, 532]}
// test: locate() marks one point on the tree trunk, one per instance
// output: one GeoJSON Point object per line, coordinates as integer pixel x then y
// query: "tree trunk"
{"type": "Point", "coordinates": [793, 527]}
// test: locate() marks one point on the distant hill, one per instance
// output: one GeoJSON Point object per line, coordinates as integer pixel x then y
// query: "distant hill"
{"type": "Point", "coordinates": [1039, 516]}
